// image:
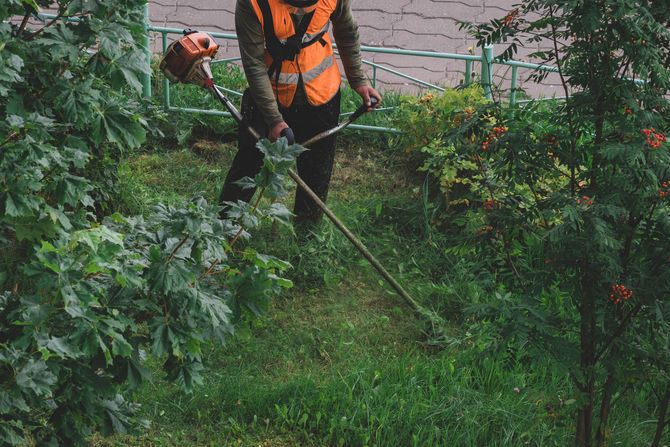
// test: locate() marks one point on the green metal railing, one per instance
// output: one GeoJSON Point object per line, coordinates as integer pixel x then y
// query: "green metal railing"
{"type": "Point", "coordinates": [469, 59]}
{"type": "Point", "coordinates": [486, 60]}
{"type": "Point", "coordinates": [146, 80]}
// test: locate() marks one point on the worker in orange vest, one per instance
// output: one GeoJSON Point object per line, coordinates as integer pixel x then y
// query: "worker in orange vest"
{"type": "Point", "coordinates": [294, 83]}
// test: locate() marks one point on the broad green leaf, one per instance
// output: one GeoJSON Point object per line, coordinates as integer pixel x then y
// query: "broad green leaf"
{"type": "Point", "coordinates": [36, 378]}
{"type": "Point", "coordinates": [62, 348]}
{"type": "Point", "coordinates": [137, 373]}
{"type": "Point", "coordinates": [117, 127]}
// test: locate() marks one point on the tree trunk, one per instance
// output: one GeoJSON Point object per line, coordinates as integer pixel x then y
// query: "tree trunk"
{"type": "Point", "coordinates": [662, 415]}
{"type": "Point", "coordinates": [605, 405]}
{"type": "Point", "coordinates": [584, 435]}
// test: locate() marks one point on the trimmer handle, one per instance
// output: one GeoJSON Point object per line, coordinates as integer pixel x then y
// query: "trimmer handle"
{"type": "Point", "coordinates": [363, 109]}
{"type": "Point", "coordinates": [289, 135]}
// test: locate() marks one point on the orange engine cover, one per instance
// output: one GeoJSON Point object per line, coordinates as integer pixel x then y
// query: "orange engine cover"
{"type": "Point", "coordinates": [184, 53]}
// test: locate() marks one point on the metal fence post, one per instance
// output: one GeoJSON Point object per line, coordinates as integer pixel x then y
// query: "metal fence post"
{"type": "Point", "coordinates": [468, 72]}
{"type": "Point", "coordinates": [487, 71]}
{"type": "Point", "coordinates": [146, 79]}
{"type": "Point", "coordinates": [515, 75]}
{"type": "Point", "coordinates": [166, 82]}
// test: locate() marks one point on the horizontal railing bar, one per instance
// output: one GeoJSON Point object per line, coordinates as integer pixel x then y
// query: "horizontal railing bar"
{"type": "Point", "coordinates": [364, 48]}
{"type": "Point", "coordinates": [419, 53]}
{"type": "Point", "coordinates": [229, 59]}
{"type": "Point", "coordinates": [381, 109]}
{"type": "Point", "coordinates": [161, 29]}
{"type": "Point", "coordinates": [403, 75]}
{"type": "Point", "coordinates": [202, 111]}
{"type": "Point", "coordinates": [553, 98]}
{"type": "Point", "coordinates": [520, 64]}
{"type": "Point", "coordinates": [43, 16]}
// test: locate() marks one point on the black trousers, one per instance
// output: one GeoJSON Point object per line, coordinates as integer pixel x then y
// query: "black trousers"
{"type": "Point", "coordinates": [315, 166]}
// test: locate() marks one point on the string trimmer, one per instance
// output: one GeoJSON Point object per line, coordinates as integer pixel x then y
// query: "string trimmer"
{"type": "Point", "coordinates": [188, 59]}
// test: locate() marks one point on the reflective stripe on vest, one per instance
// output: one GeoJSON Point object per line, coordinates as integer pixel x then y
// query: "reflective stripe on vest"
{"type": "Point", "coordinates": [315, 63]}
{"type": "Point", "coordinates": [309, 36]}
{"type": "Point", "coordinates": [293, 78]}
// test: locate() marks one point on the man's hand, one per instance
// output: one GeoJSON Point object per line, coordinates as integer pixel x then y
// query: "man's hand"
{"type": "Point", "coordinates": [366, 92]}
{"type": "Point", "coordinates": [275, 132]}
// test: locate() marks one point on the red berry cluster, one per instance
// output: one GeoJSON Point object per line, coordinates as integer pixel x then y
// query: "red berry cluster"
{"type": "Point", "coordinates": [496, 133]}
{"type": "Point", "coordinates": [665, 190]}
{"type": "Point", "coordinates": [489, 205]}
{"type": "Point", "coordinates": [511, 16]}
{"type": "Point", "coordinates": [654, 139]}
{"type": "Point", "coordinates": [586, 200]}
{"type": "Point", "coordinates": [627, 110]}
{"type": "Point", "coordinates": [620, 293]}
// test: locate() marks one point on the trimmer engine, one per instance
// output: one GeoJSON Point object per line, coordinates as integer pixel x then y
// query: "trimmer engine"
{"type": "Point", "coordinates": [187, 60]}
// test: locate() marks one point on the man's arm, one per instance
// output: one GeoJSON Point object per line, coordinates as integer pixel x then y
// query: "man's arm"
{"type": "Point", "coordinates": [252, 50]}
{"type": "Point", "coordinates": [345, 31]}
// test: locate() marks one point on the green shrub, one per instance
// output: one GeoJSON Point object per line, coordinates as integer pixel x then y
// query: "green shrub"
{"type": "Point", "coordinates": [88, 294]}
{"type": "Point", "coordinates": [426, 120]}
{"type": "Point", "coordinates": [568, 203]}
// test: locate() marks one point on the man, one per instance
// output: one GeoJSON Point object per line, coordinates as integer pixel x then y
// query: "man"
{"type": "Point", "coordinates": [294, 82]}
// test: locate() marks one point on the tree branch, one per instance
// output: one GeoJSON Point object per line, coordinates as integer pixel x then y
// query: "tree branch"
{"type": "Point", "coordinates": [176, 249]}
{"type": "Point", "coordinates": [236, 238]}
{"type": "Point", "coordinates": [566, 91]}
{"type": "Point", "coordinates": [23, 25]}
{"type": "Point", "coordinates": [622, 328]}
{"type": "Point", "coordinates": [32, 36]}
{"type": "Point", "coordinates": [662, 412]}
{"type": "Point", "coordinates": [255, 208]}
{"type": "Point", "coordinates": [12, 136]}
{"type": "Point", "coordinates": [605, 406]}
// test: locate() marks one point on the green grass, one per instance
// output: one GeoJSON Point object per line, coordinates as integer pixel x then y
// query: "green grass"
{"type": "Point", "coordinates": [173, 176]}
{"type": "Point", "coordinates": [340, 360]}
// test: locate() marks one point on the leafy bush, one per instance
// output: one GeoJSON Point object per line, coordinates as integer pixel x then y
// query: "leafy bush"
{"type": "Point", "coordinates": [426, 120]}
{"type": "Point", "coordinates": [100, 297]}
{"type": "Point", "coordinates": [87, 294]}
{"type": "Point", "coordinates": [569, 203]}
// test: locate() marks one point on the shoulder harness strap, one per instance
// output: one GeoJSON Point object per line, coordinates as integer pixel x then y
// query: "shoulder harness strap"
{"type": "Point", "coordinates": [285, 51]}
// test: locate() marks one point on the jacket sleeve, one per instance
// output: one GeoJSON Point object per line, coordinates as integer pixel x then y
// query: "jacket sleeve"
{"type": "Point", "coordinates": [252, 50]}
{"type": "Point", "coordinates": [345, 31]}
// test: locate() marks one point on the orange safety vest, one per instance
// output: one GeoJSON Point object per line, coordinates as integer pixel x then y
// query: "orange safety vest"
{"type": "Point", "coordinates": [312, 58]}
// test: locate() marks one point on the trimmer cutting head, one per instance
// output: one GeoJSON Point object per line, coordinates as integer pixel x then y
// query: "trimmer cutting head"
{"type": "Point", "coordinates": [187, 60]}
